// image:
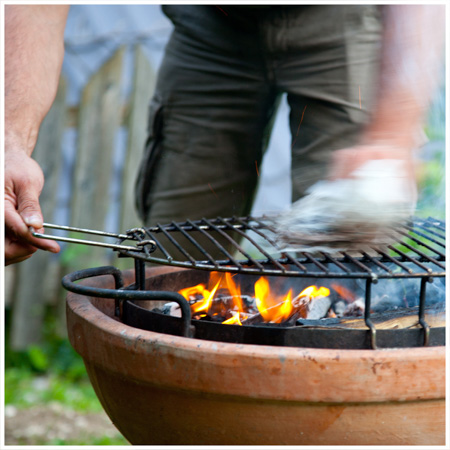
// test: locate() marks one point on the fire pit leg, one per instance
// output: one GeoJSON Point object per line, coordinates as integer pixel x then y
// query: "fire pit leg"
{"type": "Point", "coordinates": [422, 322]}
{"type": "Point", "coordinates": [367, 320]}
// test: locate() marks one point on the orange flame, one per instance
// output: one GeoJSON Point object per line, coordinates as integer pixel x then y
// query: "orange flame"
{"type": "Point", "coordinates": [345, 293]}
{"type": "Point", "coordinates": [272, 308]}
{"type": "Point", "coordinates": [271, 313]}
{"type": "Point", "coordinates": [235, 320]}
{"type": "Point", "coordinates": [202, 305]}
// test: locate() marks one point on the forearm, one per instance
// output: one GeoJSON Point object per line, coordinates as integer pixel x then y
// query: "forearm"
{"type": "Point", "coordinates": [34, 51]}
{"type": "Point", "coordinates": [412, 52]}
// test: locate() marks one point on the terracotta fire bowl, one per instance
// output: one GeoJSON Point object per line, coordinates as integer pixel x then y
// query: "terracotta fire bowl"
{"type": "Point", "coordinates": [161, 389]}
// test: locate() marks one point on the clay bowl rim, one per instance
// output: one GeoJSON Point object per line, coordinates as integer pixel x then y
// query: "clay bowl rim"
{"type": "Point", "coordinates": [397, 374]}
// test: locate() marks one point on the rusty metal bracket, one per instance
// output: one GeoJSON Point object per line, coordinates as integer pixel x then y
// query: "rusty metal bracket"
{"type": "Point", "coordinates": [123, 294]}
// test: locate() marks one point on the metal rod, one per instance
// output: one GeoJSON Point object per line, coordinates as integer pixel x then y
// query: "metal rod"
{"type": "Point", "coordinates": [123, 294]}
{"type": "Point", "coordinates": [376, 262]}
{"type": "Point", "coordinates": [336, 262]}
{"type": "Point", "coordinates": [314, 261]}
{"type": "Point", "coordinates": [367, 320]}
{"type": "Point", "coordinates": [390, 258]}
{"type": "Point", "coordinates": [215, 242]}
{"type": "Point", "coordinates": [177, 245]}
{"type": "Point", "coordinates": [221, 231]}
{"type": "Point", "coordinates": [161, 247]}
{"type": "Point", "coordinates": [426, 257]}
{"type": "Point", "coordinates": [405, 256]}
{"type": "Point", "coordinates": [360, 265]}
{"type": "Point", "coordinates": [295, 262]}
{"type": "Point", "coordinates": [85, 242]}
{"type": "Point", "coordinates": [139, 270]}
{"type": "Point", "coordinates": [260, 249]}
{"type": "Point", "coordinates": [241, 233]}
{"type": "Point", "coordinates": [435, 223]}
{"type": "Point", "coordinates": [422, 322]}
{"type": "Point", "coordinates": [426, 236]}
{"type": "Point", "coordinates": [86, 231]}
{"type": "Point", "coordinates": [195, 243]}
{"type": "Point", "coordinates": [423, 244]}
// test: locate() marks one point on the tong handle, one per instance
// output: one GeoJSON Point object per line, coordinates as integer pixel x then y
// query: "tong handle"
{"type": "Point", "coordinates": [97, 233]}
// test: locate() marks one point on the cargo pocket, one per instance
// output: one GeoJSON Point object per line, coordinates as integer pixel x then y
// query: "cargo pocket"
{"type": "Point", "coordinates": [152, 153]}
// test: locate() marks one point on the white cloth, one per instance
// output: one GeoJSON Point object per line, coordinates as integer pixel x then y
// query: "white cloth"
{"type": "Point", "coordinates": [349, 214]}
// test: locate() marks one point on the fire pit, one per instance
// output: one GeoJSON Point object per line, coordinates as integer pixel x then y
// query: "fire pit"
{"type": "Point", "coordinates": [189, 381]}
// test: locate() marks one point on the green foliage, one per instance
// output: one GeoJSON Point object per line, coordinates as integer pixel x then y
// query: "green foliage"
{"type": "Point", "coordinates": [24, 389]}
{"type": "Point", "coordinates": [105, 440]}
{"type": "Point", "coordinates": [73, 252]}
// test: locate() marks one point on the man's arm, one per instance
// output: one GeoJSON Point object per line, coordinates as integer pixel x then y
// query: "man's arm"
{"type": "Point", "coordinates": [34, 51]}
{"type": "Point", "coordinates": [372, 185]}
{"type": "Point", "coordinates": [412, 51]}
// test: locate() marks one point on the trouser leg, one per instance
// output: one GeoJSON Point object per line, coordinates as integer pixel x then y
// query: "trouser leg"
{"type": "Point", "coordinates": [327, 63]}
{"type": "Point", "coordinates": [207, 128]}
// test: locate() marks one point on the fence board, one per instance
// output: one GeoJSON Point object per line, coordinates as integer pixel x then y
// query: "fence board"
{"type": "Point", "coordinates": [99, 119]}
{"type": "Point", "coordinates": [34, 280]}
{"type": "Point", "coordinates": [143, 87]}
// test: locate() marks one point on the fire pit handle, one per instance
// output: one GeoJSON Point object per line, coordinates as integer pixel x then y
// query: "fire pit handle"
{"type": "Point", "coordinates": [120, 293]}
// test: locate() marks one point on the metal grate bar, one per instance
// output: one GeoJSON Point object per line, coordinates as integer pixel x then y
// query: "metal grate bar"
{"type": "Point", "coordinates": [359, 264]}
{"type": "Point", "coordinates": [426, 236]}
{"type": "Point", "coordinates": [262, 259]}
{"type": "Point", "coordinates": [426, 257]}
{"type": "Point", "coordinates": [234, 243]}
{"type": "Point", "coordinates": [405, 256]}
{"type": "Point", "coordinates": [215, 242]}
{"type": "Point", "coordinates": [336, 262]}
{"type": "Point", "coordinates": [258, 231]}
{"type": "Point", "coordinates": [160, 246]}
{"type": "Point", "coordinates": [271, 242]}
{"type": "Point", "coordinates": [228, 226]}
{"type": "Point", "coordinates": [196, 244]}
{"type": "Point", "coordinates": [177, 245]}
{"type": "Point", "coordinates": [376, 262]}
{"type": "Point", "coordinates": [314, 261]}
{"type": "Point", "coordinates": [273, 261]}
{"type": "Point", "coordinates": [295, 262]}
{"type": "Point", "coordinates": [393, 260]}
{"type": "Point", "coordinates": [423, 244]}
{"type": "Point", "coordinates": [434, 223]}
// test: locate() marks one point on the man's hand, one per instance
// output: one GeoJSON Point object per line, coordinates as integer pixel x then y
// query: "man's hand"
{"type": "Point", "coordinates": [34, 51]}
{"type": "Point", "coordinates": [345, 161]}
{"type": "Point", "coordinates": [23, 184]}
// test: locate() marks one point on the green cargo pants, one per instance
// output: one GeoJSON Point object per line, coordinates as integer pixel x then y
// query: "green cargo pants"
{"type": "Point", "coordinates": [217, 92]}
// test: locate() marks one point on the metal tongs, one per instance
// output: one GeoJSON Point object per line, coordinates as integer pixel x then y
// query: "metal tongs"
{"type": "Point", "coordinates": [136, 234]}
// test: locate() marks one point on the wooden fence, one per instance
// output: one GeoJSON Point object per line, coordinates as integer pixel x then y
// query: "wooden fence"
{"type": "Point", "coordinates": [33, 286]}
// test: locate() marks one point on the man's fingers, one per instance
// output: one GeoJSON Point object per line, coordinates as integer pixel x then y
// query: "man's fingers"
{"type": "Point", "coordinates": [17, 231]}
{"type": "Point", "coordinates": [16, 251]}
{"type": "Point", "coordinates": [29, 209]}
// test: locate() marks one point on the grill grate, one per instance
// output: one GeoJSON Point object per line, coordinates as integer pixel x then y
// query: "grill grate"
{"type": "Point", "coordinates": [419, 250]}
{"type": "Point", "coordinates": [247, 246]}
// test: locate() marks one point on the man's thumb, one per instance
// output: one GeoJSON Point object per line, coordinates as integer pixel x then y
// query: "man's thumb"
{"type": "Point", "coordinates": [29, 209]}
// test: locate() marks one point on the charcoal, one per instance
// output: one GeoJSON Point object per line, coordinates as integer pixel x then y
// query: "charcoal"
{"type": "Point", "coordinates": [355, 308]}
{"type": "Point", "coordinates": [318, 308]}
{"type": "Point", "coordinates": [339, 308]}
{"type": "Point", "coordinates": [171, 309]}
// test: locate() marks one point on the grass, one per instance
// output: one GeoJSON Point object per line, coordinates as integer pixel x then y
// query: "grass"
{"type": "Point", "coordinates": [52, 372]}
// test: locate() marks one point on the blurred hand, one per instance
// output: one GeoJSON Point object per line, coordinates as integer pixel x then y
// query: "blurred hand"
{"type": "Point", "coordinates": [346, 161]}
{"type": "Point", "coordinates": [23, 184]}
{"type": "Point", "coordinates": [370, 188]}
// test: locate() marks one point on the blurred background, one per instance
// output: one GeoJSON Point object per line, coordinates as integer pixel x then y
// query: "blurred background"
{"type": "Point", "coordinates": [89, 148]}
